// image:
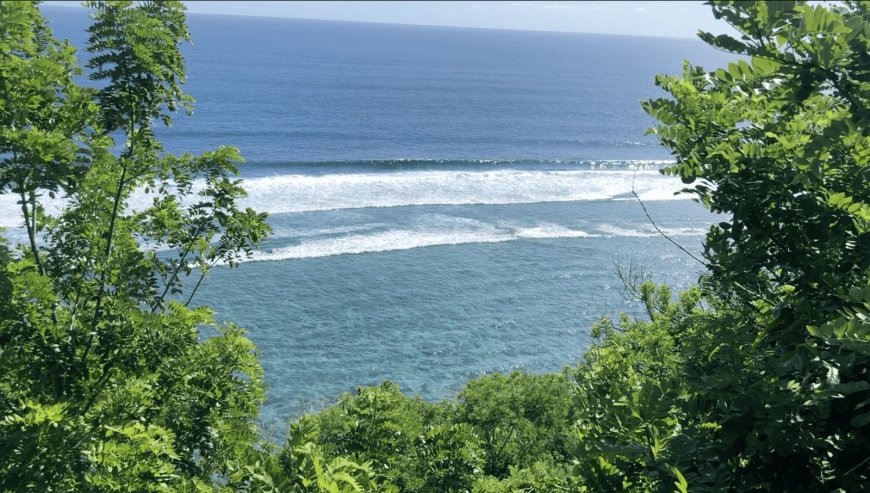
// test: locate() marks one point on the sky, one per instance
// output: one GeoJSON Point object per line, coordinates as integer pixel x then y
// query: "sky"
{"type": "Point", "coordinates": [671, 19]}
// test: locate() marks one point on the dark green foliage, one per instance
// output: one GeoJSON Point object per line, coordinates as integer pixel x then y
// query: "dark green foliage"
{"type": "Point", "coordinates": [301, 466]}
{"type": "Point", "coordinates": [378, 421]}
{"type": "Point", "coordinates": [539, 478]}
{"type": "Point", "coordinates": [630, 394]}
{"type": "Point", "coordinates": [521, 419]}
{"type": "Point", "coordinates": [447, 458]}
{"type": "Point", "coordinates": [781, 143]}
{"type": "Point", "coordinates": [499, 425]}
{"type": "Point", "coordinates": [107, 383]}
{"type": "Point", "coordinates": [382, 426]}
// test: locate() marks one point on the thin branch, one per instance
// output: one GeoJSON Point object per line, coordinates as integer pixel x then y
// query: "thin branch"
{"type": "Point", "coordinates": [657, 228]}
{"type": "Point", "coordinates": [208, 267]}
{"type": "Point", "coordinates": [110, 236]}
{"type": "Point", "coordinates": [630, 280]}
{"type": "Point", "coordinates": [30, 223]}
{"type": "Point", "coordinates": [98, 387]}
{"type": "Point", "coordinates": [850, 471]}
{"type": "Point", "coordinates": [106, 255]}
{"type": "Point", "coordinates": [196, 287]}
{"type": "Point", "coordinates": [181, 261]}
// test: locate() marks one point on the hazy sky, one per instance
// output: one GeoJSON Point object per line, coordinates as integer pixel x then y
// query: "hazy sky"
{"type": "Point", "coordinates": [675, 19]}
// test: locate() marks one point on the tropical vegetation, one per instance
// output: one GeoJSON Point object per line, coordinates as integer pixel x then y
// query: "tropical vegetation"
{"type": "Point", "coordinates": [113, 379]}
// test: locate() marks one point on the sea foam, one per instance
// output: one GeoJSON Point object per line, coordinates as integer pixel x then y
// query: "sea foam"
{"type": "Point", "coordinates": [302, 193]}
{"type": "Point", "coordinates": [436, 230]}
{"type": "Point", "coordinates": [288, 193]}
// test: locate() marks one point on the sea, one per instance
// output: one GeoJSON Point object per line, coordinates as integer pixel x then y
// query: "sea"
{"type": "Point", "coordinates": [446, 202]}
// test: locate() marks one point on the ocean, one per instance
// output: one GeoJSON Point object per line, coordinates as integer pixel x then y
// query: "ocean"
{"type": "Point", "coordinates": [446, 202]}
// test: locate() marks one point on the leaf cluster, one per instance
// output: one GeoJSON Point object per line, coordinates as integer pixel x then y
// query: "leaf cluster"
{"type": "Point", "coordinates": [500, 431]}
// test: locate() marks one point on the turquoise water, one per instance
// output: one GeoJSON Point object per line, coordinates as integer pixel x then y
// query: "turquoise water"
{"type": "Point", "coordinates": [523, 294]}
{"type": "Point", "coordinates": [446, 202]}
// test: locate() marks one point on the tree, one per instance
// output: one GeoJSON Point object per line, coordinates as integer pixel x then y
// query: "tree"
{"type": "Point", "coordinates": [109, 378]}
{"type": "Point", "coordinates": [779, 141]}
{"type": "Point", "coordinates": [43, 113]}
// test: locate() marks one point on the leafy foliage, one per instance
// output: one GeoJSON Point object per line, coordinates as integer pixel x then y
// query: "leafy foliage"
{"type": "Point", "coordinates": [756, 380]}
{"type": "Point", "coordinates": [521, 418]}
{"type": "Point", "coordinates": [107, 381]}
{"type": "Point", "coordinates": [301, 466]}
{"type": "Point", "coordinates": [382, 426]}
{"type": "Point", "coordinates": [781, 144]}
{"type": "Point", "coordinates": [42, 116]}
{"type": "Point", "coordinates": [499, 425]}
{"type": "Point", "coordinates": [630, 394]}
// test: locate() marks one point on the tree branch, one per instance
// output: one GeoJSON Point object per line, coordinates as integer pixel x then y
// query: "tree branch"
{"type": "Point", "coordinates": [30, 224]}
{"type": "Point", "coordinates": [656, 226]}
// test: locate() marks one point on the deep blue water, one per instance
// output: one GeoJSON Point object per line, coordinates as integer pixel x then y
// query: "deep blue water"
{"type": "Point", "coordinates": [446, 202]}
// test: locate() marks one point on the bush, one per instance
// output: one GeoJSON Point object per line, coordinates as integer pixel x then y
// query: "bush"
{"type": "Point", "coordinates": [382, 426]}
{"type": "Point", "coordinates": [521, 418]}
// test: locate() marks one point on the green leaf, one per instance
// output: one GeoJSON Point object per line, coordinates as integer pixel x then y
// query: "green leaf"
{"type": "Point", "coordinates": [861, 420]}
{"type": "Point", "coordinates": [682, 486]}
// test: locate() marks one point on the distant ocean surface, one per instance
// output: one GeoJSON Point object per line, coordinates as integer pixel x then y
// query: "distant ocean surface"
{"type": "Point", "coordinates": [446, 202]}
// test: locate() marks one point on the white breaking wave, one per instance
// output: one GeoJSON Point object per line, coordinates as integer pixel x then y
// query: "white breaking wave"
{"type": "Point", "coordinates": [611, 230]}
{"type": "Point", "coordinates": [441, 230]}
{"type": "Point", "coordinates": [10, 210]}
{"type": "Point", "coordinates": [278, 232]}
{"type": "Point", "coordinates": [547, 230]}
{"type": "Point", "coordinates": [302, 193]}
{"type": "Point", "coordinates": [377, 242]}
{"type": "Point", "coordinates": [405, 239]}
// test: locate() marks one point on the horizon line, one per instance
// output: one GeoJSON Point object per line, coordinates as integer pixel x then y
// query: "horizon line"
{"type": "Point", "coordinates": [72, 4]}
